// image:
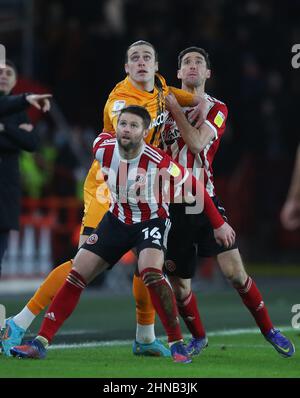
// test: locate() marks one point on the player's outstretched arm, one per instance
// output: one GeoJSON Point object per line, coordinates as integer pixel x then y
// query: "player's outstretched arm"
{"type": "Point", "coordinates": [185, 186]}
{"type": "Point", "coordinates": [223, 233]}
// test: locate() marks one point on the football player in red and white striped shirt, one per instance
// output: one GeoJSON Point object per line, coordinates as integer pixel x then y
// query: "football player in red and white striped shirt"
{"type": "Point", "coordinates": [136, 192]}
{"type": "Point", "coordinates": [131, 223]}
{"type": "Point", "coordinates": [195, 147]}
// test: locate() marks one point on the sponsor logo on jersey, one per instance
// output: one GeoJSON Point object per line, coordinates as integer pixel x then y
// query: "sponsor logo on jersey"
{"type": "Point", "coordinates": [170, 133]}
{"type": "Point", "coordinates": [160, 119]}
{"type": "Point", "coordinates": [174, 170]}
{"type": "Point", "coordinates": [92, 239]}
{"type": "Point", "coordinates": [118, 105]}
{"type": "Point", "coordinates": [219, 119]}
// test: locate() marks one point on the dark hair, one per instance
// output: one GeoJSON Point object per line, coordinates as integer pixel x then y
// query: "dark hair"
{"type": "Point", "coordinates": [192, 50]}
{"type": "Point", "coordinates": [138, 111]}
{"type": "Point", "coordinates": [11, 65]}
{"type": "Point", "coordinates": [140, 43]}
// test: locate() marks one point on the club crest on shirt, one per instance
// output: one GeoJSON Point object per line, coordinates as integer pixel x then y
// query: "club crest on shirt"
{"type": "Point", "coordinates": [92, 239]}
{"type": "Point", "coordinates": [141, 179]}
{"type": "Point", "coordinates": [118, 105]}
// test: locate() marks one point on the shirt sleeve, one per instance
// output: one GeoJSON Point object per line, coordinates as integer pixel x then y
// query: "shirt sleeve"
{"type": "Point", "coordinates": [111, 113]}
{"type": "Point", "coordinates": [102, 137]}
{"type": "Point", "coordinates": [216, 118]}
{"type": "Point", "coordinates": [13, 104]}
{"type": "Point", "coordinates": [183, 97]}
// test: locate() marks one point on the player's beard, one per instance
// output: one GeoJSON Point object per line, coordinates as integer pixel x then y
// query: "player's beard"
{"type": "Point", "coordinates": [193, 84]}
{"type": "Point", "coordinates": [130, 146]}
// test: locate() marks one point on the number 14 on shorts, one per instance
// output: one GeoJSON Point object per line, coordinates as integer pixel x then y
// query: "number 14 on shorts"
{"type": "Point", "coordinates": [153, 233]}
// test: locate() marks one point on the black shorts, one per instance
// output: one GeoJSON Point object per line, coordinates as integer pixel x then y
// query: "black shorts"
{"type": "Point", "coordinates": [112, 238]}
{"type": "Point", "coordinates": [191, 236]}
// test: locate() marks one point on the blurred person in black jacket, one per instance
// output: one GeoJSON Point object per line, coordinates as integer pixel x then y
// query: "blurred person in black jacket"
{"type": "Point", "coordinates": [18, 103]}
{"type": "Point", "coordinates": [16, 134]}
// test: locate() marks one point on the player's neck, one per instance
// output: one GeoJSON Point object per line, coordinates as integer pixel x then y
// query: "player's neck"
{"type": "Point", "coordinates": [199, 90]}
{"type": "Point", "coordinates": [143, 86]}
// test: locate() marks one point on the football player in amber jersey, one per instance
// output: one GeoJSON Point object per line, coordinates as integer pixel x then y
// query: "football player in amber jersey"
{"type": "Point", "coordinates": [195, 148]}
{"type": "Point", "coordinates": [145, 87]}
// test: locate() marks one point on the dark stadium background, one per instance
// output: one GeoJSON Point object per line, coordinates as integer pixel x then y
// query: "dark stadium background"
{"type": "Point", "coordinates": [75, 50]}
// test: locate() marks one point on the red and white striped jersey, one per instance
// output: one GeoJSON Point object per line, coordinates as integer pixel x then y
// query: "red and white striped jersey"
{"type": "Point", "coordinates": [138, 186]}
{"type": "Point", "coordinates": [175, 146]}
{"type": "Point", "coordinates": [131, 182]}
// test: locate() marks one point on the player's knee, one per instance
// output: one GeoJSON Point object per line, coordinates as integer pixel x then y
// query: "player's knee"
{"type": "Point", "coordinates": [232, 268]}
{"type": "Point", "coordinates": [182, 293]}
{"type": "Point", "coordinates": [151, 276]}
{"type": "Point", "coordinates": [181, 288]}
{"type": "Point", "coordinates": [147, 262]}
{"type": "Point", "coordinates": [237, 278]}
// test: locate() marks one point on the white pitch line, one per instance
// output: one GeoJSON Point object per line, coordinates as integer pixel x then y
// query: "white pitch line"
{"type": "Point", "coordinates": [93, 344]}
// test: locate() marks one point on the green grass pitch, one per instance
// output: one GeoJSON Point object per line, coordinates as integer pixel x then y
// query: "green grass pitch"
{"type": "Point", "coordinates": [109, 322]}
{"type": "Point", "coordinates": [242, 355]}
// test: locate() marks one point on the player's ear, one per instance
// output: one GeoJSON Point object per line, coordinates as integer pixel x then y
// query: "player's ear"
{"type": "Point", "coordinates": [179, 75]}
{"type": "Point", "coordinates": [156, 66]}
{"type": "Point", "coordinates": [126, 69]}
{"type": "Point", "coordinates": [208, 73]}
{"type": "Point", "coordinates": [146, 131]}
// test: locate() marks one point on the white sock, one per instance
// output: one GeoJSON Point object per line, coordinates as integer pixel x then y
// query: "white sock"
{"type": "Point", "coordinates": [43, 340]}
{"type": "Point", "coordinates": [145, 333]}
{"type": "Point", "coordinates": [174, 342]}
{"type": "Point", "coordinates": [24, 318]}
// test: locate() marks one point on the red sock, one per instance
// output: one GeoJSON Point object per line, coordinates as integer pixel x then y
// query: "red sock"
{"type": "Point", "coordinates": [252, 299]}
{"type": "Point", "coordinates": [163, 301]}
{"type": "Point", "coordinates": [189, 312]}
{"type": "Point", "coordinates": [62, 305]}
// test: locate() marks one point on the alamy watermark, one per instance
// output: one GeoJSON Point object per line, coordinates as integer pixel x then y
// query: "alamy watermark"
{"type": "Point", "coordinates": [2, 56]}
{"type": "Point", "coordinates": [296, 58]}
{"type": "Point", "coordinates": [138, 186]}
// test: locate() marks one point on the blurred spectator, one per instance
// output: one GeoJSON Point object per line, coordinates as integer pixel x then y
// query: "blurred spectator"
{"type": "Point", "coordinates": [16, 134]}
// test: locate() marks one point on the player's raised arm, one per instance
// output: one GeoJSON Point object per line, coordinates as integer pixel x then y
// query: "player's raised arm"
{"type": "Point", "coordinates": [223, 232]}
{"type": "Point", "coordinates": [183, 97]}
{"type": "Point", "coordinates": [195, 138]}
{"type": "Point", "coordinates": [187, 99]}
